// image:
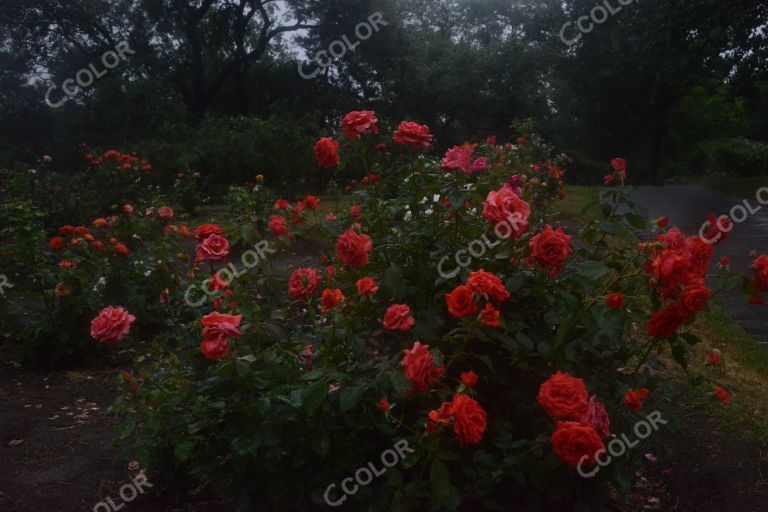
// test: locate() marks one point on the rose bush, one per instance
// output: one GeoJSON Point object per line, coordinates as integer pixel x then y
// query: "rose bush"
{"type": "Point", "coordinates": [502, 378]}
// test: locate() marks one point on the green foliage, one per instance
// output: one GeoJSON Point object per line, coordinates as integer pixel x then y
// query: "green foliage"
{"type": "Point", "coordinates": [293, 408]}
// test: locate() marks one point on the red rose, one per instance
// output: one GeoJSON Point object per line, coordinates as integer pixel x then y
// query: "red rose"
{"type": "Point", "coordinates": [419, 367]}
{"type": "Point", "coordinates": [216, 283]}
{"type": "Point", "coordinates": [204, 231]}
{"type": "Point", "coordinates": [165, 212]}
{"type": "Point", "coordinates": [713, 358]}
{"type": "Point", "coordinates": [398, 318]}
{"type": "Point", "coordinates": [487, 284]}
{"type": "Point", "coordinates": [695, 299]}
{"type": "Point", "coordinates": [458, 158]}
{"type": "Point", "coordinates": [311, 202]}
{"type": "Point", "coordinates": [597, 417]}
{"type": "Point", "coordinates": [667, 321]}
{"type": "Point", "coordinates": [359, 123]}
{"type": "Point", "coordinates": [353, 248]}
{"type": "Point", "coordinates": [67, 264]}
{"type": "Point", "coordinates": [662, 222]}
{"type": "Point", "coordinates": [614, 300]}
{"type": "Point", "coordinates": [722, 395]}
{"type": "Point", "coordinates": [212, 248]}
{"type": "Point", "coordinates": [218, 324]}
{"type": "Point", "coordinates": [725, 261]}
{"type": "Point", "coordinates": [111, 325]}
{"type": "Point", "coordinates": [760, 266]}
{"type": "Point", "coordinates": [461, 302]}
{"type": "Point", "coordinates": [576, 444]}
{"type": "Point", "coordinates": [66, 230]}
{"type": "Point", "coordinates": [57, 243]}
{"type": "Point", "coordinates": [469, 379]}
{"type": "Point", "coordinates": [718, 228]}
{"type": "Point", "coordinates": [122, 249]}
{"type": "Point", "coordinates": [551, 249]}
{"type": "Point", "coordinates": [671, 270]}
{"type": "Point", "coordinates": [303, 283]}
{"type": "Point", "coordinates": [469, 420]}
{"type": "Point", "coordinates": [100, 223]}
{"type": "Point", "coordinates": [281, 204]}
{"type": "Point", "coordinates": [277, 226]}
{"type": "Point", "coordinates": [366, 286]}
{"type": "Point", "coordinates": [331, 299]}
{"type": "Point", "coordinates": [634, 399]}
{"type": "Point", "coordinates": [215, 348]}
{"type": "Point", "coordinates": [383, 405]}
{"type": "Point", "coordinates": [413, 134]}
{"type": "Point", "coordinates": [619, 164]}
{"type": "Point", "coordinates": [355, 211]}
{"type": "Point", "coordinates": [504, 208]}
{"type": "Point", "coordinates": [327, 153]}
{"type": "Point", "coordinates": [563, 396]}
{"type": "Point", "coordinates": [490, 316]}
{"type": "Point", "coordinates": [700, 254]}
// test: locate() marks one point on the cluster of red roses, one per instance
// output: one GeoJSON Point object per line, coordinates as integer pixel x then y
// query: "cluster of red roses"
{"type": "Point", "coordinates": [81, 236]}
{"type": "Point", "coordinates": [481, 286]}
{"type": "Point", "coordinates": [582, 421]}
{"type": "Point", "coordinates": [278, 224]}
{"type": "Point", "coordinates": [363, 122]}
{"type": "Point", "coordinates": [123, 161]}
{"type": "Point", "coordinates": [467, 415]}
{"type": "Point", "coordinates": [352, 248]}
{"type": "Point", "coordinates": [760, 282]}
{"type": "Point", "coordinates": [678, 267]}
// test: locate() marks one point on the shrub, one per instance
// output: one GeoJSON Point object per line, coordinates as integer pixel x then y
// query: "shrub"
{"type": "Point", "coordinates": [388, 337]}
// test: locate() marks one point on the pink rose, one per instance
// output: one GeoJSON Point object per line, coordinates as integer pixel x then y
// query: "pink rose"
{"type": "Point", "coordinates": [212, 248]}
{"type": "Point", "coordinates": [597, 417]}
{"type": "Point", "coordinates": [504, 206]}
{"type": "Point", "coordinates": [458, 158]}
{"type": "Point", "coordinates": [111, 325]}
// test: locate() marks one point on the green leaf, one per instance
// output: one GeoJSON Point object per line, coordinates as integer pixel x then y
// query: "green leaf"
{"type": "Point", "coordinates": [679, 352]}
{"type": "Point", "coordinates": [395, 283]}
{"type": "Point", "coordinates": [593, 270]}
{"type": "Point", "coordinates": [350, 396]}
{"type": "Point", "coordinates": [314, 396]}
{"type": "Point", "coordinates": [691, 339]}
{"type": "Point", "coordinates": [440, 481]}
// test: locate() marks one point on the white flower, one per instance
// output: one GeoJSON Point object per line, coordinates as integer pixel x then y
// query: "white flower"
{"type": "Point", "coordinates": [408, 216]}
{"type": "Point", "coordinates": [428, 211]}
{"type": "Point", "coordinates": [435, 198]}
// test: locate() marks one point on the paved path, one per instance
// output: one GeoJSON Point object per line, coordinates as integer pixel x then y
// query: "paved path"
{"type": "Point", "coordinates": [687, 207]}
